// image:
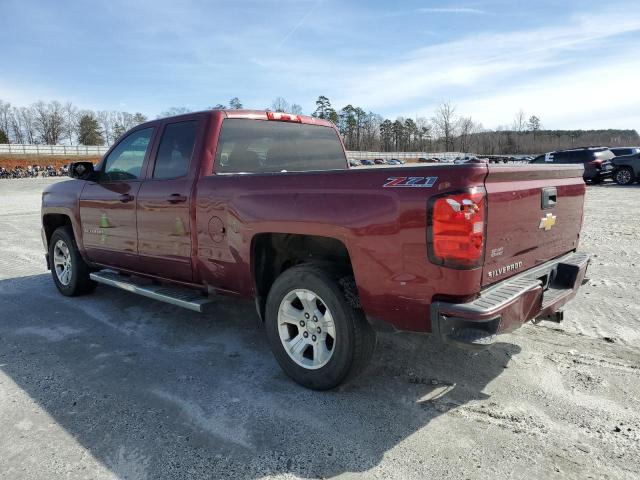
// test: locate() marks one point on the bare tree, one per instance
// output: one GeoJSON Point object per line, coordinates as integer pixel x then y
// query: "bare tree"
{"type": "Point", "coordinates": [106, 124]}
{"type": "Point", "coordinates": [71, 118]}
{"type": "Point", "coordinates": [465, 129]}
{"type": "Point", "coordinates": [280, 105]}
{"type": "Point", "coordinates": [520, 122]}
{"type": "Point", "coordinates": [27, 124]}
{"type": "Point", "coordinates": [173, 111]}
{"type": "Point", "coordinates": [295, 108]}
{"type": "Point", "coordinates": [424, 132]}
{"type": "Point", "coordinates": [49, 121]}
{"type": "Point", "coordinates": [445, 123]}
{"type": "Point", "coordinates": [5, 117]}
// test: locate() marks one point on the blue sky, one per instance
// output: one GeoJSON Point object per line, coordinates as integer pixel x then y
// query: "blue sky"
{"type": "Point", "coordinates": [575, 64]}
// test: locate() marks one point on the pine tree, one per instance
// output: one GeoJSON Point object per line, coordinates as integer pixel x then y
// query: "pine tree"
{"type": "Point", "coordinates": [325, 111]}
{"type": "Point", "coordinates": [235, 104]}
{"type": "Point", "coordinates": [139, 118]}
{"type": "Point", "coordinates": [89, 131]}
{"type": "Point", "coordinates": [3, 137]}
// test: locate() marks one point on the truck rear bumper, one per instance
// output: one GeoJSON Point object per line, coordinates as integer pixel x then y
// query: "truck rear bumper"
{"type": "Point", "coordinates": [505, 306]}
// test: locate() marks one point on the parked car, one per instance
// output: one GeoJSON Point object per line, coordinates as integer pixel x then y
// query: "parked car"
{"type": "Point", "coordinates": [620, 151]}
{"type": "Point", "coordinates": [467, 159]}
{"type": "Point", "coordinates": [626, 169]}
{"type": "Point", "coordinates": [263, 206]}
{"type": "Point", "coordinates": [394, 161]}
{"type": "Point", "coordinates": [354, 163]}
{"type": "Point", "coordinates": [594, 159]}
{"type": "Point", "coordinates": [379, 161]}
{"type": "Point", "coordinates": [365, 161]}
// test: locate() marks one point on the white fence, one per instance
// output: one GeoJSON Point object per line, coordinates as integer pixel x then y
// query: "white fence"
{"type": "Point", "coordinates": [23, 149]}
{"type": "Point", "coordinates": [403, 155]}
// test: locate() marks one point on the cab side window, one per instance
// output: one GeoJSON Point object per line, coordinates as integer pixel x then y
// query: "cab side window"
{"type": "Point", "coordinates": [125, 160]}
{"type": "Point", "coordinates": [175, 150]}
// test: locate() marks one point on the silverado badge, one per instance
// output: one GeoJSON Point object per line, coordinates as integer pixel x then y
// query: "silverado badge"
{"type": "Point", "coordinates": [547, 222]}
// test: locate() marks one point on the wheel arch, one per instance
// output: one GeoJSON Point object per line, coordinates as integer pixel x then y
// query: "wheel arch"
{"type": "Point", "coordinates": [273, 253]}
{"type": "Point", "coordinates": [51, 222]}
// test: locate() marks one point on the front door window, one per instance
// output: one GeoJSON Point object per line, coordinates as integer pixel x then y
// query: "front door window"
{"type": "Point", "coordinates": [124, 163]}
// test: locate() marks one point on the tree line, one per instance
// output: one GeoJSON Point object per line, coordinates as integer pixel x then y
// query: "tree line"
{"type": "Point", "coordinates": [53, 122]}
{"type": "Point", "coordinates": [445, 130]}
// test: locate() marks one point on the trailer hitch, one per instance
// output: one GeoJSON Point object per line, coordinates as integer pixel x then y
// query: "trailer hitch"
{"type": "Point", "coordinates": [555, 317]}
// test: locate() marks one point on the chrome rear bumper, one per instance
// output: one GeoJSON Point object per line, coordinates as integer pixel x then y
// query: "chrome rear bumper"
{"type": "Point", "coordinates": [503, 307]}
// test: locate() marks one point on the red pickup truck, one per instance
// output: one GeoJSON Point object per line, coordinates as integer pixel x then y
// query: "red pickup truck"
{"type": "Point", "coordinates": [263, 205]}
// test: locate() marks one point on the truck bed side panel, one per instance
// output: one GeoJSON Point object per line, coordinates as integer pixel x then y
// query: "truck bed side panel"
{"type": "Point", "coordinates": [384, 230]}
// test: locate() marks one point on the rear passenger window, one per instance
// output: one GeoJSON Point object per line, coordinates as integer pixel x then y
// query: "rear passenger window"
{"type": "Point", "coordinates": [175, 150]}
{"type": "Point", "coordinates": [262, 146]}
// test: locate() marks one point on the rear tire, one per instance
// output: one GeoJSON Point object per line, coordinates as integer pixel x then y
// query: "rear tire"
{"type": "Point", "coordinates": [623, 176]}
{"type": "Point", "coordinates": [69, 270]}
{"type": "Point", "coordinates": [317, 332]}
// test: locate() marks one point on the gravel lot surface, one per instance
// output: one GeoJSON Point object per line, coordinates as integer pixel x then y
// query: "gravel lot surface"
{"type": "Point", "coordinates": [112, 385]}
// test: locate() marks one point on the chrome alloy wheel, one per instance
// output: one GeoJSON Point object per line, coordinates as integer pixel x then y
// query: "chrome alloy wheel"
{"type": "Point", "coordinates": [62, 262]}
{"type": "Point", "coordinates": [624, 176]}
{"type": "Point", "coordinates": [306, 329]}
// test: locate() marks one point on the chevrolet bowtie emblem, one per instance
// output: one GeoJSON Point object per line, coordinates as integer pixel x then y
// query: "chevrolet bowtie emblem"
{"type": "Point", "coordinates": [547, 222]}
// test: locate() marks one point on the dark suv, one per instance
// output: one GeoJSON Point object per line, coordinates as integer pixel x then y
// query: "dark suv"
{"type": "Point", "coordinates": [619, 151]}
{"type": "Point", "coordinates": [596, 161]}
{"type": "Point", "coordinates": [626, 169]}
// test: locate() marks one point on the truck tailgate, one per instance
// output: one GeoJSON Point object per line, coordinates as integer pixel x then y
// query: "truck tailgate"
{"type": "Point", "coordinates": [534, 214]}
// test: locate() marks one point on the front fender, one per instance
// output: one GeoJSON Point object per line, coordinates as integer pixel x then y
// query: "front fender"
{"type": "Point", "coordinates": [62, 199]}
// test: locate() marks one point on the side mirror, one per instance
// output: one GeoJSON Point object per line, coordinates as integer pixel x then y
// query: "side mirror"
{"type": "Point", "coordinates": [81, 170]}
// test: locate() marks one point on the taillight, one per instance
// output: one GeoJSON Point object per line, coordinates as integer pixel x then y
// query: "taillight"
{"type": "Point", "coordinates": [456, 228]}
{"type": "Point", "coordinates": [284, 117]}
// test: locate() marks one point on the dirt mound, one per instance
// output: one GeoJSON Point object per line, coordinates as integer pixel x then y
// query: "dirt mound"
{"type": "Point", "coordinates": [11, 161]}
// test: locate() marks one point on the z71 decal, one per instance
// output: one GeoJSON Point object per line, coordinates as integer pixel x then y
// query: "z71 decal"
{"type": "Point", "coordinates": [411, 182]}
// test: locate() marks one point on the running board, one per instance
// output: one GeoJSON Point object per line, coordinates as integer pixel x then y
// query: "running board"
{"type": "Point", "coordinates": [179, 296]}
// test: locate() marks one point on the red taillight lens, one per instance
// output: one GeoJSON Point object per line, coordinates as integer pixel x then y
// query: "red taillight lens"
{"type": "Point", "coordinates": [283, 117]}
{"type": "Point", "coordinates": [456, 231]}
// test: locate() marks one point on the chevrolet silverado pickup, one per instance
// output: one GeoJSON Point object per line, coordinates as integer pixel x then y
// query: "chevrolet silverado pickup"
{"type": "Point", "coordinates": [263, 206]}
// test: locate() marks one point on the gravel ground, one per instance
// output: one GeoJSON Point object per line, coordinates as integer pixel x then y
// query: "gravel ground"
{"type": "Point", "coordinates": [116, 386]}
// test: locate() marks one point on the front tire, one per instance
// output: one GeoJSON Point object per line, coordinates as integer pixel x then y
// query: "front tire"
{"type": "Point", "coordinates": [623, 176]}
{"type": "Point", "coordinates": [68, 268]}
{"type": "Point", "coordinates": [318, 335]}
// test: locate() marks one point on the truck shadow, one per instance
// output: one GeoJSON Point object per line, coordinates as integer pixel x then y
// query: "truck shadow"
{"type": "Point", "coordinates": [153, 391]}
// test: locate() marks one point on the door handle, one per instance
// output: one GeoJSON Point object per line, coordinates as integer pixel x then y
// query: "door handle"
{"type": "Point", "coordinates": [125, 197]}
{"type": "Point", "coordinates": [176, 198]}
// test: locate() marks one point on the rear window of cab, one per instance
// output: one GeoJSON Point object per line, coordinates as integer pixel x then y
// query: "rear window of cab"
{"type": "Point", "coordinates": [264, 146]}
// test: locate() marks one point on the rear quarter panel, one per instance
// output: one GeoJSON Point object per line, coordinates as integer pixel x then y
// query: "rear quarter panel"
{"type": "Point", "coordinates": [384, 230]}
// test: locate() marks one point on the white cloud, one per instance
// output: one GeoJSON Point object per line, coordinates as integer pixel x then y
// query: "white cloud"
{"type": "Point", "coordinates": [490, 76]}
{"type": "Point", "coordinates": [596, 96]}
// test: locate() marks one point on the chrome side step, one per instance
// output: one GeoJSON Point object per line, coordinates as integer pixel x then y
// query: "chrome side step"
{"type": "Point", "coordinates": [181, 297]}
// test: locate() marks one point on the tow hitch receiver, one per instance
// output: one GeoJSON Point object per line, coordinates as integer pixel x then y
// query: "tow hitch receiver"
{"type": "Point", "coordinates": [556, 317]}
